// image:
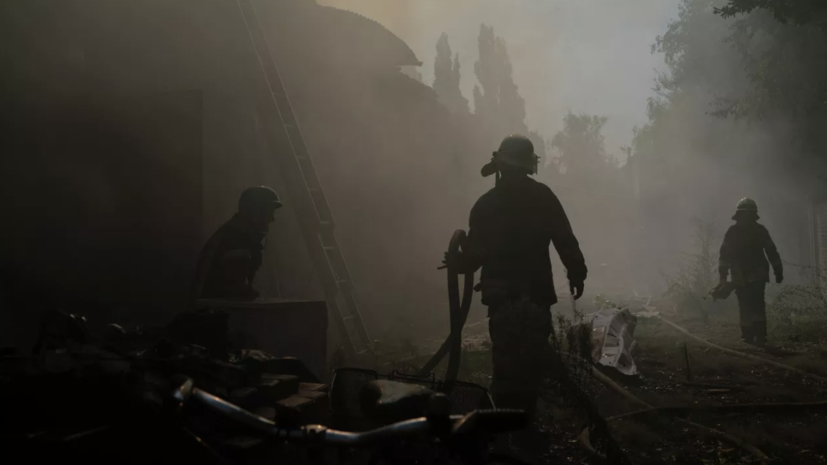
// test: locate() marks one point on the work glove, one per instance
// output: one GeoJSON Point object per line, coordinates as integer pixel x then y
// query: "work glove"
{"type": "Point", "coordinates": [779, 278]}
{"type": "Point", "coordinates": [576, 288]}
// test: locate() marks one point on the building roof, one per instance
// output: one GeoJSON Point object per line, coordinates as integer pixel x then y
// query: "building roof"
{"type": "Point", "coordinates": [370, 37]}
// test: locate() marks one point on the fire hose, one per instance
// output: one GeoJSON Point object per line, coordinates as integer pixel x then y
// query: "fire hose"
{"type": "Point", "coordinates": [458, 312]}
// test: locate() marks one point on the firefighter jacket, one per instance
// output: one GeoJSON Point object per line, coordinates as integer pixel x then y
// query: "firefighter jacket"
{"type": "Point", "coordinates": [228, 263]}
{"type": "Point", "coordinates": [510, 230]}
{"type": "Point", "coordinates": [744, 252]}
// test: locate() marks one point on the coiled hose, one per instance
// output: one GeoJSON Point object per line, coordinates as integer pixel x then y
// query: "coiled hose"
{"type": "Point", "coordinates": [458, 312]}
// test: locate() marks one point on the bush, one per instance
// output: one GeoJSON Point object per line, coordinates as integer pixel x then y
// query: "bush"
{"type": "Point", "coordinates": [697, 275]}
{"type": "Point", "coordinates": [799, 312]}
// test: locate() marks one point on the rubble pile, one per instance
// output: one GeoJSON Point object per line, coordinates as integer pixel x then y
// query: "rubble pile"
{"type": "Point", "coordinates": [109, 395]}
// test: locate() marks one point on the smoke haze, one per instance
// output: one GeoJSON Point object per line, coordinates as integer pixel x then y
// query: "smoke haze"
{"type": "Point", "coordinates": [588, 56]}
{"type": "Point", "coordinates": [399, 170]}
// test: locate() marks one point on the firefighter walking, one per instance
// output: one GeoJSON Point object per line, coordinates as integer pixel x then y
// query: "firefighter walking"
{"type": "Point", "coordinates": [510, 230]}
{"type": "Point", "coordinates": [744, 255]}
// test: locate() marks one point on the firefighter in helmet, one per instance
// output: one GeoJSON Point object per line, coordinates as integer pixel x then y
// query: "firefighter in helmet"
{"type": "Point", "coordinates": [747, 246]}
{"type": "Point", "coordinates": [510, 230]}
{"type": "Point", "coordinates": [229, 261]}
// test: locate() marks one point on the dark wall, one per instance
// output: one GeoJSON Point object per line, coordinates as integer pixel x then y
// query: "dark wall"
{"type": "Point", "coordinates": [373, 133]}
{"type": "Point", "coordinates": [101, 200]}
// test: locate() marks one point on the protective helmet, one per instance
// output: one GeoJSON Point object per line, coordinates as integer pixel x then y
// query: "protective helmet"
{"type": "Point", "coordinates": [746, 205]}
{"type": "Point", "coordinates": [257, 197]}
{"type": "Point", "coordinates": [515, 150]}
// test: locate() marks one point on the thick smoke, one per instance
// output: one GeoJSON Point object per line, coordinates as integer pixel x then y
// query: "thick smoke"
{"type": "Point", "coordinates": [399, 169]}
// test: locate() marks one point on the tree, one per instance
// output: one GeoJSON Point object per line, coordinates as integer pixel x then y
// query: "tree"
{"type": "Point", "coordinates": [782, 54]}
{"type": "Point", "coordinates": [497, 101]}
{"type": "Point", "coordinates": [579, 146]}
{"type": "Point", "coordinates": [799, 12]}
{"type": "Point", "coordinates": [447, 78]}
{"type": "Point", "coordinates": [539, 145]}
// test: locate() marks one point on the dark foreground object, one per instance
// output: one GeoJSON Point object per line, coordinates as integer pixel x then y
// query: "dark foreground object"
{"type": "Point", "coordinates": [152, 396]}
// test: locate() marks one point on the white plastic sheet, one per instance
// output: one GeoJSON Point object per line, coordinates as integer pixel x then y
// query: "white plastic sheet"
{"type": "Point", "coordinates": [612, 339]}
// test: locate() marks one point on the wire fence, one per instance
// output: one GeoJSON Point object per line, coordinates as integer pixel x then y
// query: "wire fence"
{"type": "Point", "coordinates": [570, 375]}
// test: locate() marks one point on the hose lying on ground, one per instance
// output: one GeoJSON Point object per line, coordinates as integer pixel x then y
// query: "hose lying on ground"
{"type": "Point", "coordinates": [741, 354]}
{"type": "Point", "coordinates": [783, 407]}
{"type": "Point", "coordinates": [584, 436]}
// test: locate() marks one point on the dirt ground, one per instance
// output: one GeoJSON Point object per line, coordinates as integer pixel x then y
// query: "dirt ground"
{"type": "Point", "coordinates": [788, 435]}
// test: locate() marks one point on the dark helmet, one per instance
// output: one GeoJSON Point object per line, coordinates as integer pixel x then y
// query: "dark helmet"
{"type": "Point", "coordinates": [746, 206]}
{"type": "Point", "coordinates": [253, 198]}
{"type": "Point", "coordinates": [515, 151]}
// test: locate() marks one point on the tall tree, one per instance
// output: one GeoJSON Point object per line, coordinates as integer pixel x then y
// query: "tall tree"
{"type": "Point", "coordinates": [497, 100]}
{"type": "Point", "coordinates": [580, 148]}
{"type": "Point", "coordinates": [782, 46]}
{"type": "Point", "coordinates": [798, 12]}
{"type": "Point", "coordinates": [447, 77]}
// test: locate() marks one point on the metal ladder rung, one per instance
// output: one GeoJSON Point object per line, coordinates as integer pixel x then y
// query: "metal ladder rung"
{"type": "Point", "coordinates": [307, 189]}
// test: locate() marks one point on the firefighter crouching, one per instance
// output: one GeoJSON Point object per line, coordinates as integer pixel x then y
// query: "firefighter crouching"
{"type": "Point", "coordinates": [747, 246]}
{"type": "Point", "coordinates": [229, 261]}
{"type": "Point", "coordinates": [510, 230]}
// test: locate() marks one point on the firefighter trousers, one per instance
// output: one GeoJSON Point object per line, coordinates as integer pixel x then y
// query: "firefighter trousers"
{"type": "Point", "coordinates": [753, 311]}
{"type": "Point", "coordinates": [520, 330]}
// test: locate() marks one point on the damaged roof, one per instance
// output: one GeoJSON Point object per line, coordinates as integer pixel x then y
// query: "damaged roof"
{"type": "Point", "coordinates": [372, 37]}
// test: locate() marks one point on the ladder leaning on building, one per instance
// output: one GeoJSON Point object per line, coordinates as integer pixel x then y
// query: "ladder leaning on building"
{"type": "Point", "coordinates": [305, 192]}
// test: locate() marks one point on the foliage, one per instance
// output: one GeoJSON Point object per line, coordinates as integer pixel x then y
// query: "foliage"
{"type": "Point", "coordinates": [699, 68]}
{"type": "Point", "coordinates": [799, 312]}
{"type": "Point", "coordinates": [579, 146]}
{"type": "Point", "coordinates": [497, 101]}
{"type": "Point", "coordinates": [447, 78]}
{"type": "Point", "coordinates": [698, 274]}
{"type": "Point", "coordinates": [781, 45]}
{"type": "Point", "coordinates": [798, 12]}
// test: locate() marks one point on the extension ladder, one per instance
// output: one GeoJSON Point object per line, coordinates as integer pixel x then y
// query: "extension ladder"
{"type": "Point", "coordinates": [304, 189]}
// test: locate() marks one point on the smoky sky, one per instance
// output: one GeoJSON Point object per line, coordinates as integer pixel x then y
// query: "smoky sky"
{"type": "Point", "coordinates": [587, 56]}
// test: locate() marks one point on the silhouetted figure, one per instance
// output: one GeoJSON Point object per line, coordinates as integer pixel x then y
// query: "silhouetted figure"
{"type": "Point", "coordinates": [229, 261]}
{"type": "Point", "coordinates": [743, 257]}
{"type": "Point", "coordinates": [510, 230]}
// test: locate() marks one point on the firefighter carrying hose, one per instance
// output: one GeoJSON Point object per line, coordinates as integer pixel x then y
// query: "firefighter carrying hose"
{"type": "Point", "coordinates": [510, 230]}
{"type": "Point", "coordinates": [229, 261]}
{"type": "Point", "coordinates": [743, 257]}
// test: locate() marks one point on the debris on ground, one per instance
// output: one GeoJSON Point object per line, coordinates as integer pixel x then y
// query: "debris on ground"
{"type": "Point", "coordinates": [613, 343]}
{"type": "Point", "coordinates": [114, 388]}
